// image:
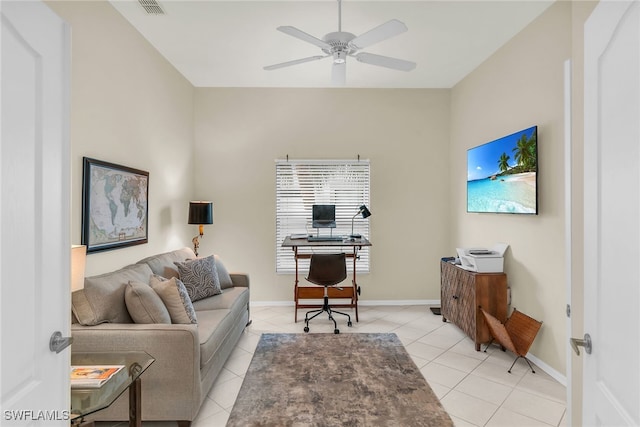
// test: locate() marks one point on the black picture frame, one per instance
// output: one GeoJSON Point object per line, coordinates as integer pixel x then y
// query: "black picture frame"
{"type": "Point", "coordinates": [114, 205]}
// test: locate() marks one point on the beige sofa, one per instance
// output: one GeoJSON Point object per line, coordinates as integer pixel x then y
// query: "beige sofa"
{"type": "Point", "coordinates": [188, 356]}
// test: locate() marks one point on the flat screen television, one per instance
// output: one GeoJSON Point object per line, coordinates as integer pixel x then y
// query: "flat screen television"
{"type": "Point", "coordinates": [323, 216]}
{"type": "Point", "coordinates": [502, 175]}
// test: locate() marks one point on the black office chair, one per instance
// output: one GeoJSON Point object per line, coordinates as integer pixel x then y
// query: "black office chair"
{"type": "Point", "coordinates": [327, 270]}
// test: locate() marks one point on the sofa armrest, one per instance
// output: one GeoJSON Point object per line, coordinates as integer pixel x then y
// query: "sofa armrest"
{"type": "Point", "coordinates": [172, 383]}
{"type": "Point", "coordinates": [240, 279]}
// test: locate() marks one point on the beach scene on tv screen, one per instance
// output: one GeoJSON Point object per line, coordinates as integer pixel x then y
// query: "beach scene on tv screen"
{"type": "Point", "coordinates": [501, 175]}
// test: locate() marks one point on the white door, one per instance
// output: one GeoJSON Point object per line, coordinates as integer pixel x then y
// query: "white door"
{"type": "Point", "coordinates": [611, 387]}
{"type": "Point", "coordinates": [34, 214]}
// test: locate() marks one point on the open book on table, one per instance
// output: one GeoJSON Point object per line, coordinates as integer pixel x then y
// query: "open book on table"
{"type": "Point", "coordinates": [92, 376]}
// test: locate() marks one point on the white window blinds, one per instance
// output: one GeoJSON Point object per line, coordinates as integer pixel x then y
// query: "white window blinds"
{"type": "Point", "coordinates": [302, 183]}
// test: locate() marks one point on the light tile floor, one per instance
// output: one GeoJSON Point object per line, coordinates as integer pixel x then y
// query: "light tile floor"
{"type": "Point", "coordinates": [474, 387]}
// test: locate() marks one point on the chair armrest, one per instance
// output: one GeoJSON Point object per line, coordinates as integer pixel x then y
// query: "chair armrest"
{"type": "Point", "coordinates": [173, 380]}
{"type": "Point", "coordinates": [240, 279]}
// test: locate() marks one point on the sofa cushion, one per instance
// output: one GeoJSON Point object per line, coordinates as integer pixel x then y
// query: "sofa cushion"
{"type": "Point", "coordinates": [229, 299]}
{"type": "Point", "coordinates": [200, 277]}
{"type": "Point", "coordinates": [213, 328]}
{"type": "Point", "coordinates": [223, 274]}
{"type": "Point", "coordinates": [162, 264]}
{"type": "Point", "coordinates": [175, 298]}
{"type": "Point", "coordinates": [102, 299]}
{"type": "Point", "coordinates": [144, 304]}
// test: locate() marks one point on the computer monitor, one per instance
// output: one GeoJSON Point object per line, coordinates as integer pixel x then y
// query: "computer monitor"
{"type": "Point", "coordinates": [324, 216]}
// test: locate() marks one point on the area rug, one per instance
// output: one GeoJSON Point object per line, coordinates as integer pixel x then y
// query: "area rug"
{"type": "Point", "coordinates": [335, 380]}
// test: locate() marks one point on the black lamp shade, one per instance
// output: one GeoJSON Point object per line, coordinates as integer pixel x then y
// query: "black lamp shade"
{"type": "Point", "coordinates": [200, 213]}
{"type": "Point", "coordinates": [366, 213]}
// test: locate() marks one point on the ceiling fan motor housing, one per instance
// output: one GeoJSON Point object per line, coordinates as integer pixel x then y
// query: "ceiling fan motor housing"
{"type": "Point", "coordinates": [340, 47]}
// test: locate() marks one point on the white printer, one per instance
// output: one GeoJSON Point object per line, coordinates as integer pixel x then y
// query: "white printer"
{"type": "Point", "coordinates": [482, 260]}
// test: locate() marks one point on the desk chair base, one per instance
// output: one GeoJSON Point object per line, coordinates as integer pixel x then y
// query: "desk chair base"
{"type": "Point", "coordinates": [327, 308]}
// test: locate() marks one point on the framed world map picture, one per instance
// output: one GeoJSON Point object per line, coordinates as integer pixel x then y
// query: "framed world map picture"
{"type": "Point", "coordinates": [114, 205]}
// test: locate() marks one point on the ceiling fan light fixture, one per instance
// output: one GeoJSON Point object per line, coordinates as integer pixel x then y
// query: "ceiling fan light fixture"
{"type": "Point", "coordinates": [339, 57]}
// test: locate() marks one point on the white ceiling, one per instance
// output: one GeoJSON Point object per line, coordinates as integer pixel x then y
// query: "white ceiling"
{"type": "Point", "coordinates": [226, 43]}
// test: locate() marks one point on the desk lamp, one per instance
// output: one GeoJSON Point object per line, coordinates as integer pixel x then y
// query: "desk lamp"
{"type": "Point", "coordinates": [366, 213]}
{"type": "Point", "coordinates": [200, 213]}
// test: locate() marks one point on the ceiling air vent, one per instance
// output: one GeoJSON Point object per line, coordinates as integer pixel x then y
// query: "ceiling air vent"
{"type": "Point", "coordinates": [152, 7]}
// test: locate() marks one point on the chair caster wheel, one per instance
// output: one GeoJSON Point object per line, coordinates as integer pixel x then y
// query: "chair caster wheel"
{"type": "Point", "coordinates": [349, 324]}
{"type": "Point", "coordinates": [336, 331]}
{"type": "Point", "coordinates": [306, 329]}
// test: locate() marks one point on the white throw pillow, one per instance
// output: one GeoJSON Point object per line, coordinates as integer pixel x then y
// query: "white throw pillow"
{"type": "Point", "coordinates": [144, 304]}
{"type": "Point", "coordinates": [175, 298]}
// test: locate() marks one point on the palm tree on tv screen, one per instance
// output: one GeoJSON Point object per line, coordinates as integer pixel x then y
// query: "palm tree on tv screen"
{"type": "Point", "coordinates": [525, 153]}
{"type": "Point", "coordinates": [503, 162]}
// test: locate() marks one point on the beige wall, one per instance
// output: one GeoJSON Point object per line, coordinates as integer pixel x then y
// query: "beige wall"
{"type": "Point", "coordinates": [405, 133]}
{"type": "Point", "coordinates": [520, 86]}
{"type": "Point", "coordinates": [129, 106]}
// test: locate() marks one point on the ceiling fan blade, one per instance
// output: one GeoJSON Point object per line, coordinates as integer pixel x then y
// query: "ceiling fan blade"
{"type": "Point", "coordinates": [381, 32]}
{"type": "Point", "coordinates": [339, 74]}
{"type": "Point", "coordinates": [294, 62]}
{"type": "Point", "coordinates": [294, 32]}
{"type": "Point", "coordinates": [385, 61]}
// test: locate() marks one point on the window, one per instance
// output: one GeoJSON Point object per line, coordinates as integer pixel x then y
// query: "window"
{"type": "Point", "coordinates": [302, 183]}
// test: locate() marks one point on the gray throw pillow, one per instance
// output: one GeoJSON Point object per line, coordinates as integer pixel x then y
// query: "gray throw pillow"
{"type": "Point", "coordinates": [223, 274]}
{"type": "Point", "coordinates": [175, 298]}
{"type": "Point", "coordinates": [200, 277]}
{"type": "Point", "coordinates": [144, 304]}
{"type": "Point", "coordinates": [102, 299]}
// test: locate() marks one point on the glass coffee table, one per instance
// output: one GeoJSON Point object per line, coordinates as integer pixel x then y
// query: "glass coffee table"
{"type": "Point", "coordinates": [86, 401]}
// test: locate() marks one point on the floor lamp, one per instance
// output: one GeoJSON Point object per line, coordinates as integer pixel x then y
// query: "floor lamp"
{"type": "Point", "coordinates": [57, 342]}
{"type": "Point", "coordinates": [78, 262]}
{"type": "Point", "coordinates": [201, 214]}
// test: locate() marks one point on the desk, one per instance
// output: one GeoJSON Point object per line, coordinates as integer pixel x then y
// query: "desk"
{"type": "Point", "coordinates": [86, 401]}
{"type": "Point", "coordinates": [317, 292]}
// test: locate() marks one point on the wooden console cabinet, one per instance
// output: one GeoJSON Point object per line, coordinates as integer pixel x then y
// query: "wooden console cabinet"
{"type": "Point", "coordinates": [462, 292]}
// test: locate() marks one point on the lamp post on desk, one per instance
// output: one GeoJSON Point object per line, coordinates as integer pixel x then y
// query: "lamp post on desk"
{"type": "Point", "coordinates": [366, 213]}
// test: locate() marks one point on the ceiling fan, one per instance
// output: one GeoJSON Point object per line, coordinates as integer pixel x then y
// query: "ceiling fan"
{"type": "Point", "coordinates": [339, 45]}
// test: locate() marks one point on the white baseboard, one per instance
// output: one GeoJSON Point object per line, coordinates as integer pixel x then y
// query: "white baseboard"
{"type": "Point", "coordinates": [361, 302]}
{"type": "Point", "coordinates": [399, 302]}
{"type": "Point", "coordinates": [271, 303]}
{"type": "Point", "coordinates": [562, 379]}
